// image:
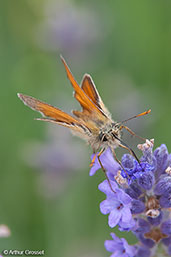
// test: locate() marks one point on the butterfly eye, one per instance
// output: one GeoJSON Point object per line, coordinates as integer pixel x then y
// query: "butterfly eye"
{"type": "Point", "coordinates": [115, 125]}
{"type": "Point", "coordinates": [102, 137]}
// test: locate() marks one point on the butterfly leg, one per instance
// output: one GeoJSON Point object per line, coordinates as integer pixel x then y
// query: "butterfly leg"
{"type": "Point", "coordinates": [114, 154]}
{"type": "Point", "coordinates": [93, 160]}
{"type": "Point", "coordinates": [131, 132]}
{"type": "Point", "coordinates": [131, 152]}
{"type": "Point", "coordinates": [98, 157]}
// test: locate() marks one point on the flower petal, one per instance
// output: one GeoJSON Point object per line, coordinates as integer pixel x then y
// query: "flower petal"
{"type": "Point", "coordinates": [117, 254]}
{"type": "Point", "coordinates": [110, 247]}
{"type": "Point", "coordinates": [108, 162]}
{"type": "Point", "coordinates": [123, 197]}
{"type": "Point", "coordinates": [115, 238]}
{"type": "Point", "coordinates": [130, 250]}
{"type": "Point", "coordinates": [105, 188]}
{"type": "Point", "coordinates": [106, 207]}
{"type": "Point", "coordinates": [126, 215]}
{"type": "Point", "coordinates": [96, 166]}
{"type": "Point", "coordinates": [114, 218]}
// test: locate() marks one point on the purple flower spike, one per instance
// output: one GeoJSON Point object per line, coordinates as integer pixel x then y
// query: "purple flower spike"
{"type": "Point", "coordinates": [162, 157]}
{"type": "Point", "coordinates": [142, 226]}
{"type": "Point", "coordinates": [108, 163]}
{"type": "Point", "coordinates": [119, 247]}
{"type": "Point", "coordinates": [146, 180]}
{"type": "Point", "coordinates": [134, 190]}
{"type": "Point", "coordinates": [130, 166]}
{"type": "Point", "coordinates": [156, 221]}
{"type": "Point", "coordinates": [166, 227]}
{"type": "Point", "coordinates": [129, 163]}
{"type": "Point", "coordinates": [165, 200]}
{"type": "Point", "coordinates": [146, 241]}
{"type": "Point", "coordinates": [167, 241]}
{"type": "Point", "coordinates": [137, 206]}
{"type": "Point", "coordinates": [169, 160]}
{"type": "Point", "coordinates": [117, 205]}
{"type": "Point", "coordinates": [148, 156]}
{"type": "Point", "coordinates": [169, 250]}
{"type": "Point", "coordinates": [134, 169]}
{"type": "Point", "coordinates": [143, 252]}
{"type": "Point", "coordinates": [164, 185]}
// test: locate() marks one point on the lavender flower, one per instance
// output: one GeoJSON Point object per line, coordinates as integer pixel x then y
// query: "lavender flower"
{"type": "Point", "coordinates": [117, 205]}
{"type": "Point", "coordinates": [138, 200]}
{"type": "Point", "coordinates": [68, 28]}
{"type": "Point", "coordinates": [50, 159]}
{"type": "Point", "coordinates": [142, 252]}
{"type": "Point", "coordinates": [119, 247]}
{"type": "Point", "coordinates": [108, 162]}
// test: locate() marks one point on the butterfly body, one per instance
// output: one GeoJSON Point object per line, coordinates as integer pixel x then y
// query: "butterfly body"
{"type": "Point", "coordinates": [108, 136]}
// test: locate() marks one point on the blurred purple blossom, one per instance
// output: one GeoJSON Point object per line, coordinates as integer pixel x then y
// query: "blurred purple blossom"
{"type": "Point", "coordinates": [69, 28]}
{"type": "Point", "coordinates": [4, 231]}
{"type": "Point", "coordinates": [57, 160]}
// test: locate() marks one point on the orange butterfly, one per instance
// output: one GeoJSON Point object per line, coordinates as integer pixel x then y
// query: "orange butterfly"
{"type": "Point", "coordinates": [93, 123]}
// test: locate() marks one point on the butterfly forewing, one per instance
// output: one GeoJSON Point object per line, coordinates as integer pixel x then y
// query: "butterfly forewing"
{"type": "Point", "coordinates": [47, 109]}
{"type": "Point", "coordinates": [90, 90]}
{"type": "Point", "coordinates": [54, 114]}
{"type": "Point", "coordinates": [89, 107]}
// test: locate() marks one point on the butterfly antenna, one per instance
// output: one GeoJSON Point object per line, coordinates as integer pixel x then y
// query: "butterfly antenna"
{"type": "Point", "coordinates": [136, 116]}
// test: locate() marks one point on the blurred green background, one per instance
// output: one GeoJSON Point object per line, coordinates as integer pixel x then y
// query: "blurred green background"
{"type": "Point", "coordinates": [47, 198]}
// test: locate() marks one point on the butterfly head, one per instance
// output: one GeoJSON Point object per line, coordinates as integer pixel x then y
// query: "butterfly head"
{"type": "Point", "coordinates": [110, 134]}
